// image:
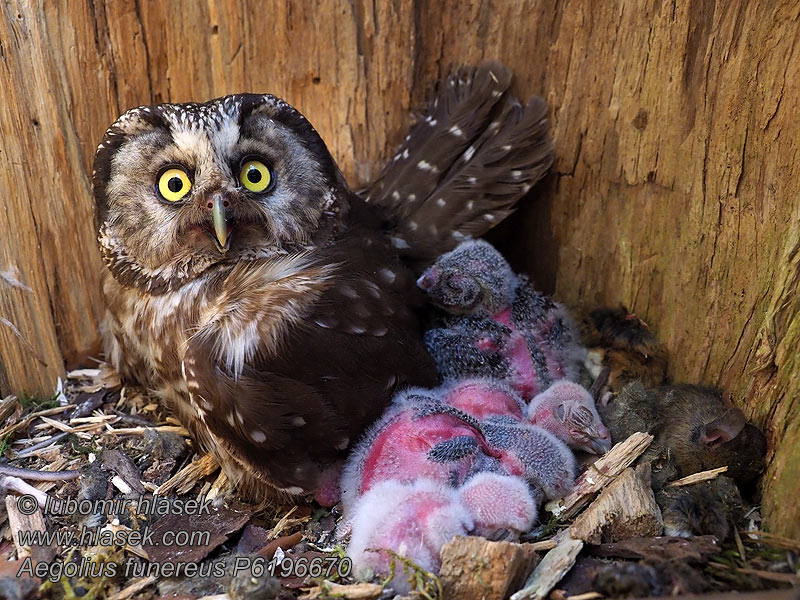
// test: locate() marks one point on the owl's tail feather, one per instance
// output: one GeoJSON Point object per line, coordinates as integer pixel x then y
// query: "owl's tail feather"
{"type": "Point", "coordinates": [463, 167]}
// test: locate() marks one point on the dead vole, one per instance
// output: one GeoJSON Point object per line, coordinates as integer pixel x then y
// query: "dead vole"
{"type": "Point", "coordinates": [694, 428]}
{"type": "Point", "coordinates": [708, 508]}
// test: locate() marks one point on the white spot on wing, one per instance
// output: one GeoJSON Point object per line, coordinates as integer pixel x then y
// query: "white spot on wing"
{"type": "Point", "coordinates": [424, 165]}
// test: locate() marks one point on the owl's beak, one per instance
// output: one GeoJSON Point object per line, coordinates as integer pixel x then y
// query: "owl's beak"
{"type": "Point", "coordinates": [222, 230]}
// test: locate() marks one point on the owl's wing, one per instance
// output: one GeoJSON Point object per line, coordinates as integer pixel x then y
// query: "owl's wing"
{"type": "Point", "coordinates": [463, 167]}
{"type": "Point", "coordinates": [287, 389]}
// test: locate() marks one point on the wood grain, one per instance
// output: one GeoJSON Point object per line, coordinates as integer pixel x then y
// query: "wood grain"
{"type": "Point", "coordinates": [673, 191]}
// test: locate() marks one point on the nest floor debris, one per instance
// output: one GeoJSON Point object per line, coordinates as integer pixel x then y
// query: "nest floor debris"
{"type": "Point", "coordinates": [142, 486]}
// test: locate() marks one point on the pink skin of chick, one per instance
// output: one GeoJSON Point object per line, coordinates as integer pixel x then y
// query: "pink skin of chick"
{"type": "Point", "coordinates": [397, 447]}
{"type": "Point", "coordinates": [499, 503]}
{"type": "Point", "coordinates": [483, 398]}
{"type": "Point", "coordinates": [412, 519]}
{"type": "Point", "coordinates": [567, 410]}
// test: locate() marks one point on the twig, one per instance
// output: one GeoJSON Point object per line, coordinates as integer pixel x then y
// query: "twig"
{"type": "Point", "coordinates": [698, 477]}
{"type": "Point", "coordinates": [49, 441]}
{"type": "Point", "coordinates": [141, 430]}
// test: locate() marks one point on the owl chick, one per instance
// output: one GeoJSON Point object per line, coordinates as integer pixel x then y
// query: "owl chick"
{"type": "Point", "coordinates": [422, 437]}
{"type": "Point", "coordinates": [494, 324]}
{"type": "Point", "coordinates": [270, 305]}
{"type": "Point", "coordinates": [415, 519]}
{"type": "Point", "coordinates": [565, 409]}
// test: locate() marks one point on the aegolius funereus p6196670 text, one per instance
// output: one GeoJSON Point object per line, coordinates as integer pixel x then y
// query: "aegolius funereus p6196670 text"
{"type": "Point", "coordinates": [273, 307]}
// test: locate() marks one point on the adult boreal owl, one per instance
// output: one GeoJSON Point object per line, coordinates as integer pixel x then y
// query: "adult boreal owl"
{"type": "Point", "coordinates": [272, 306]}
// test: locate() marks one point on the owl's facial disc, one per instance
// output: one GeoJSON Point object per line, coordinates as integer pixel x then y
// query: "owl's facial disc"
{"type": "Point", "coordinates": [184, 188]}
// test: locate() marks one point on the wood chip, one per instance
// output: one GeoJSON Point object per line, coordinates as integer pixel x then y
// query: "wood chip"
{"type": "Point", "coordinates": [550, 570]}
{"type": "Point", "coordinates": [473, 567]}
{"type": "Point", "coordinates": [607, 468]}
{"type": "Point", "coordinates": [357, 591]}
{"type": "Point", "coordinates": [32, 522]}
{"type": "Point", "coordinates": [626, 508]}
{"type": "Point", "coordinates": [7, 407]}
{"type": "Point", "coordinates": [83, 374]}
{"type": "Point", "coordinates": [184, 480]}
{"type": "Point", "coordinates": [543, 545]}
{"type": "Point", "coordinates": [698, 477]}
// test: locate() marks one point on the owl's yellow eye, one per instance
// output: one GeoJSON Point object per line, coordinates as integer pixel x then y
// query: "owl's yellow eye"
{"type": "Point", "coordinates": [255, 176]}
{"type": "Point", "coordinates": [174, 184]}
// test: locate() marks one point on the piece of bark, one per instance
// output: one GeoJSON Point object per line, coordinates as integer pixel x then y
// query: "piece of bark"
{"type": "Point", "coordinates": [16, 584]}
{"type": "Point", "coordinates": [125, 468]}
{"type": "Point", "coordinates": [220, 523]}
{"type": "Point", "coordinates": [604, 471]}
{"type": "Point", "coordinates": [33, 522]}
{"type": "Point", "coordinates": [473, 567]}
{"type": "Point", "coordinates": [550, 570]}
{"type": "Point", "coordinates": [134, 587]}
{"type": "Point", "coordinates": [697, 549]}
{"type": "Point", "coordinates": [626, 508]}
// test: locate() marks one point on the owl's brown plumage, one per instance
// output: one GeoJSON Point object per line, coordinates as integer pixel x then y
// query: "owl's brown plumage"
{"type": "Point", "coordinates": [253, 290]}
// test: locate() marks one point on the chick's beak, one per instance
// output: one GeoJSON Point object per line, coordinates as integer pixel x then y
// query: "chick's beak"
{"type": "Point", "coordinates": [600, 442]}
{"type": "Point", "coordinates": [222, 229]}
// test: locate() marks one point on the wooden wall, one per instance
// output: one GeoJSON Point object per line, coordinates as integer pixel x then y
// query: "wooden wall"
{"type": "Point", "coordinates": [673, 192]}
